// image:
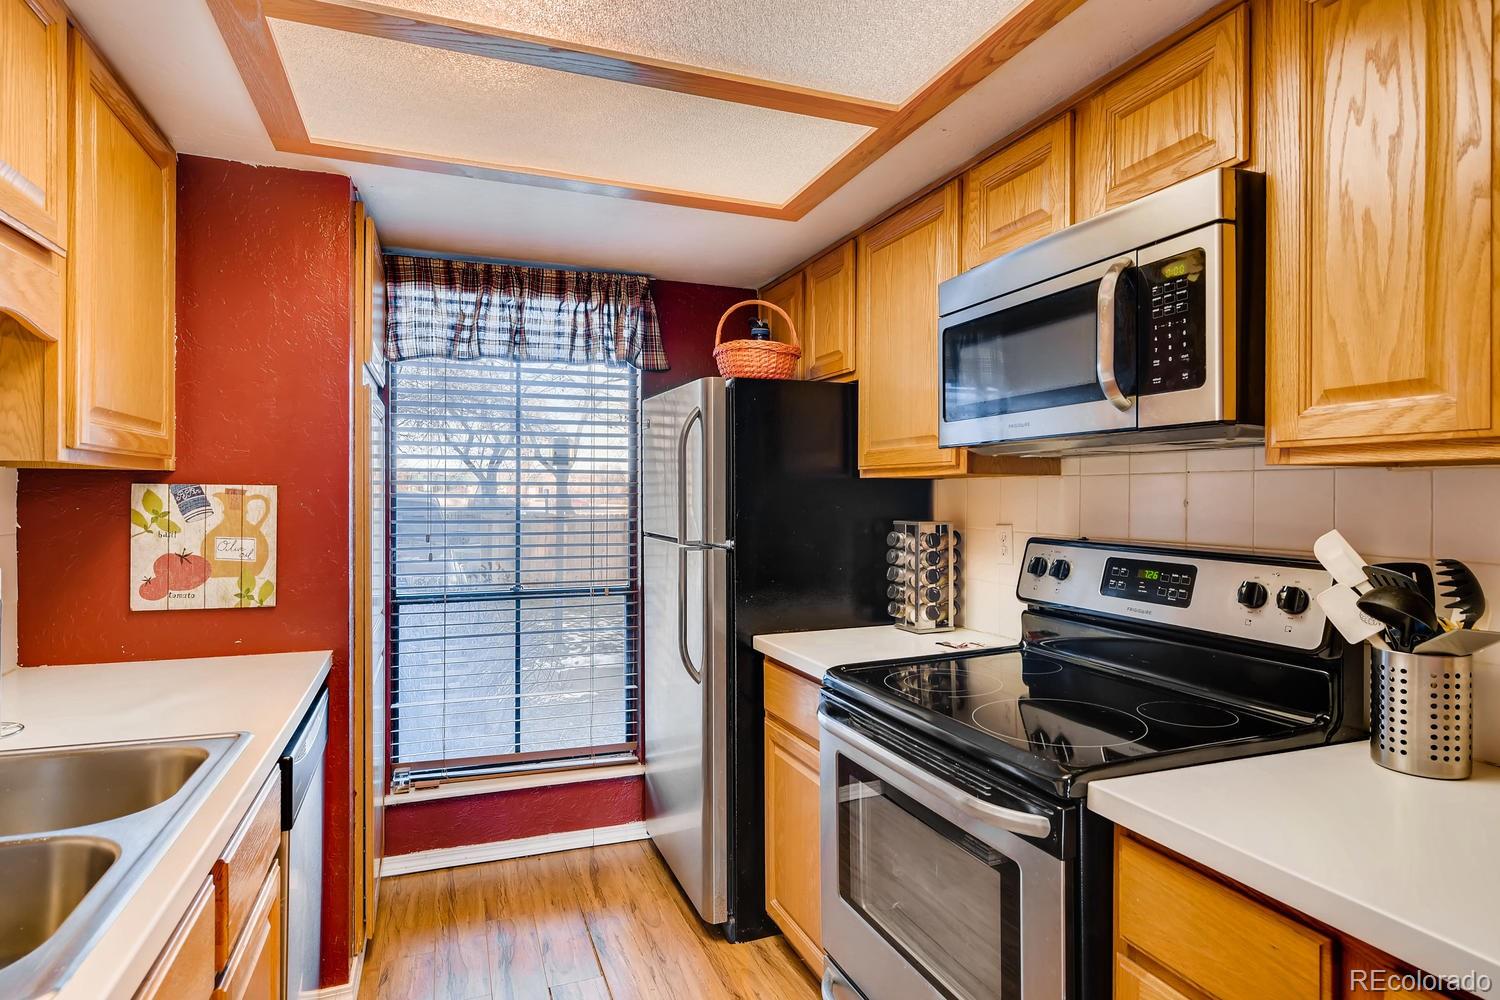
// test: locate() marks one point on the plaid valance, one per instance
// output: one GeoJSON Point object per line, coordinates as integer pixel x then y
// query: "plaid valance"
{"type": "Point", "coordinates": [441, 308]}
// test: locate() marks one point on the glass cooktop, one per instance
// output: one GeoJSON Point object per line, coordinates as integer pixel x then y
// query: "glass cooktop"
{"type": "Point", "coordinates": [1055, 721]}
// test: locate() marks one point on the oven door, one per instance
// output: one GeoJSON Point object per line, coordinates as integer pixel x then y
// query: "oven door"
{"type": "Point", "coordinates": [930, 891]}
{"type": "Point", "coordinates": [1057, 358]}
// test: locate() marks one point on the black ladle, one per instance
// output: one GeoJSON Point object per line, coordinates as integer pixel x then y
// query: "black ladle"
{"type": "Point", "coordinates": [1409, 618]}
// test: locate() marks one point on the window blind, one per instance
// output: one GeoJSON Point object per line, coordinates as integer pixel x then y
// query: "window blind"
{"type": "Point", "coordinates": [514, 565]}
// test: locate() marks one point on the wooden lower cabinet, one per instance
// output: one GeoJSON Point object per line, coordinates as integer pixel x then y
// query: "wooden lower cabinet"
{"type": "Point", "coordinates": [186, 967]}
{"type": "Point", "coordinates": [1183, 933]}
{"type": "Point", "coordinates": [254, 969]}
{"type": "Point", "coordinates": [793, 884]}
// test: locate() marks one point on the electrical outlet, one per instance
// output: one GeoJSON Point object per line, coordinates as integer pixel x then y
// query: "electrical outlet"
{"type": "Point", "coordinates": [1007, 545]}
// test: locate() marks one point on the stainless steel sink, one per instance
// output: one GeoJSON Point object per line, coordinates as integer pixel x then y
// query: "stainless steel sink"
{"type": "Point", "coordinates": [80, 829]}
{"type": "Point", "coordinates": [80, 786]}
{"type": "Point", "coordinates": [44, 881]}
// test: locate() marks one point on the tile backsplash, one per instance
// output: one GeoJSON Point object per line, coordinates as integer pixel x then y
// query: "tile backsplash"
{"type": "Point", "coordinates": [8, 569]}
{"type": "Point", "coordinates": [1229, 498]}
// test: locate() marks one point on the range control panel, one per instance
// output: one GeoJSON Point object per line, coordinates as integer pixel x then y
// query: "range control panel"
{"type": "Point", "coordinates": [1233, 594]}
{"type": "Point", "coordinates": [1169, 583]}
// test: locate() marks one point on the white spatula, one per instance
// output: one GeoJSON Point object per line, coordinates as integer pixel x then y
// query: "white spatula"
{"type": "Point", "coordinates": [1339, 558]}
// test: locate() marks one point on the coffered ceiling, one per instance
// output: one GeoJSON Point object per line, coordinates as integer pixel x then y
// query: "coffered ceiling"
{"type": "Point", "coordinates": [466, 131]}
{"type": "Point", "coordinates": [762, 107]}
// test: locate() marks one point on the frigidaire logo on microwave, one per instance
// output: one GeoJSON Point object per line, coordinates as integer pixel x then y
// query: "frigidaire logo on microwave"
{"type": "Point", "coordinates": [1018, 425]}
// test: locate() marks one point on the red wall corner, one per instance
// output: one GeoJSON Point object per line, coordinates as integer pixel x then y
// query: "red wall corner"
{"type": "Point", "coordinates": [264, 342]}
{"type": "Point", "coordinates": [688, 315]}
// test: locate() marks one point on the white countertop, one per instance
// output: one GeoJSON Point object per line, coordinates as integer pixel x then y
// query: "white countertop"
{"type": "Point", "coordinates": [262, 696]}
{"type": "Point", "coordinates": [815, 653]}
{"type": "Point", "coordinates": [1409, 865]}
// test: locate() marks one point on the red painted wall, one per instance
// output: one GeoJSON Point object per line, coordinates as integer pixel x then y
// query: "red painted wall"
{"type": "Point", "coordinates": [263, 362]}
{"type": "Point", "coordinates": [688, 314]}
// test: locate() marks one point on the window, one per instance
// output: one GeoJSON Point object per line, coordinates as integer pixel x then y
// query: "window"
{"type": "Point", "coordinates": [515, 597]}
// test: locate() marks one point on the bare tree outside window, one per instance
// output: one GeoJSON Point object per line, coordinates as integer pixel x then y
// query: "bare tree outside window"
{"type": "Point", "coordinates": [514, 570]}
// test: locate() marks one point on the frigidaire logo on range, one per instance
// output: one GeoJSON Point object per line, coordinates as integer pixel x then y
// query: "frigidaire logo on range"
{"type": "Point", "coordinates": [1139, 611]}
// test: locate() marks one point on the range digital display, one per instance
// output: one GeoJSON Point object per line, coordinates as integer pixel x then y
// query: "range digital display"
{"type": "Point", "coordinates": [1150, 581]}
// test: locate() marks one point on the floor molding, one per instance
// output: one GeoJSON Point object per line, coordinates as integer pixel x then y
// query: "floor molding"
{"type": "Point", "coordinates": [343, 991]}
{"type": "Point", "coordinates": [501, 850]}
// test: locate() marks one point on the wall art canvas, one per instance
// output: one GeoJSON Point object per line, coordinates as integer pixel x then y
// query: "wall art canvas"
{"type": "Point", "coordinates": [197, 546]}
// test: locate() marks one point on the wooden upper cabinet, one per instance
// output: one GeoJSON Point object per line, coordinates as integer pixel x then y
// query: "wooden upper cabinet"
{"type": "Point", "coordinates": [34, 119]}
{"type": "Point", "coordinates": [786, 293]}
{"type": "Point", "coordinates": [901, 262]}
{"type": "Point", "coordinates": [119, 387]}
{"type": "Point", "coordinates": [1382, 318]}
{"type": "Point", "coordinates": [1023, 192]}
{"type": "Point", "coordinates": [1177, 115]}
{"type": "Point", "coordinates": [828, 348]}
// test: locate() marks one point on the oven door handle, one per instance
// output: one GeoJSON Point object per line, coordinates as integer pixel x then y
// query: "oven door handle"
{"type": "Point", "coordinates": [1014, 820]}
{"type": "Point", "coordinates": [1104, 354]}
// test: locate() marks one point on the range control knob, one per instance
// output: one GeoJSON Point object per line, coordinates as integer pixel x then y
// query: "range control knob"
{"type": "Point", "coordinates": [1292, 600]}
{"type": "Point", "coordinates": [1060, 570]}
{"type": "Point", "coordinates": [1037, 566]}
{"type": "Point", "coordinates": [1251, 594]}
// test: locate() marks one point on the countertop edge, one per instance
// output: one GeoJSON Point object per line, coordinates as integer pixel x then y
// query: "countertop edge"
{"type": "Point", "coordinates": [1406, 941]}
{"type": "Point", "coordinates": [854, 643]}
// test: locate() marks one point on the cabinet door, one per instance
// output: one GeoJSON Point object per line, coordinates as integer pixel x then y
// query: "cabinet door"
{"type": "Point", "coordinates": [1177, 115]}
{"type": "Point", "coordinates": [786, 293]}
{"type": "Point", "coordinates": [793, 891]}
{"type": "Point", "coordinates": [1382, 284]}
{"type": "Point", "coordinates": [828, 349]}
{"type": "Point", "coordinates": [1023, 192]}
{"type": "Point", "coordinates": [1134, 983]}
{"type": "Point", "coordinates": [34, 118]}
{"type": "Point", "coordinates": [901, 262]}
{"type": "Point", "coordinates": [119, 386]}
{"type": "Point", "coordinates": [185, 970]}
{"type": "Point", "coordinates": [254, 969]}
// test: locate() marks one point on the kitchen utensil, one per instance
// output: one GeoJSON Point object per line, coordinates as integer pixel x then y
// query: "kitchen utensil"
{"type": "Point", "coordinates": [1461, 591]}
{"type": "Point", "coordinates": [1382, 576]}
{"type": "Point", "coordinates": [1418, 571]}
{"type": "Point", "coordinates": [1339, 558]}
{"type": "Point", "coordinates": [1338, 603]}
{"type": "Point", "coordinates": [1421, 713]}
{"type": "Point", "coordinates": [1460, 642]}
{"type": "Point", "coordinates": [1410, 618]}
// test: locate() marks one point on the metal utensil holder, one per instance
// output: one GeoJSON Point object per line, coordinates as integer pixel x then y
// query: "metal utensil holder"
{"type": "Point", "coordinates": [1422, 713]}
{"type": "Point", "coordinates": [922, 567]}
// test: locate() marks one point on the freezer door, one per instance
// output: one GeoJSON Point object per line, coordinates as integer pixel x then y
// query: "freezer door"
{"type": "Point", "coordinates": [683, 453]}
{"type": "Point", "coordinates": [684, 722]}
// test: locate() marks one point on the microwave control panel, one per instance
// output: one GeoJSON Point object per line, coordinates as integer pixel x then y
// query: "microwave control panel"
{"type": "Point", "coordinates": [1173, 314]}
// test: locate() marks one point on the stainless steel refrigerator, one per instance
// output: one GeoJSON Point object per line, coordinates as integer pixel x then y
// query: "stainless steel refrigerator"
{"type": "Point", "coordinates": [755, 520]}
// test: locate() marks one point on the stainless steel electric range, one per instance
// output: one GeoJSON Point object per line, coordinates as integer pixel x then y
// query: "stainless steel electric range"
{"type": "Point", "coordinates": [959, 859]}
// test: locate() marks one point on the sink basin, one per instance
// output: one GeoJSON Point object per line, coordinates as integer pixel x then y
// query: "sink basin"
{"type": "Point", "coordinates": [80, 786]}
{"type": "Point", "coordinates": [44, 881]}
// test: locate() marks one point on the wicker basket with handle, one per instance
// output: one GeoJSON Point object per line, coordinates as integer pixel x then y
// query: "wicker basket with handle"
{"type": "Point", "coordinates": [756, 358]}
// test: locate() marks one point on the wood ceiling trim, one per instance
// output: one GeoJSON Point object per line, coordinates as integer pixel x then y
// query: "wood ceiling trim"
{"type": "Point", "coordinates": [385, 21]}
{"type": "Point", "coordinates": [243, 23]}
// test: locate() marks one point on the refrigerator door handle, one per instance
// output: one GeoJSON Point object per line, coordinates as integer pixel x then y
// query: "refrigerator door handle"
{"type": "Point", "coordinates": [682, 617]}
{"type": "Point", "coordinates": [696, 416]}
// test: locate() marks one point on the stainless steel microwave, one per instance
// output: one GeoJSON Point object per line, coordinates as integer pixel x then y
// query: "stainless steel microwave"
{"type": "Point", "coordinates": [1139, 328]}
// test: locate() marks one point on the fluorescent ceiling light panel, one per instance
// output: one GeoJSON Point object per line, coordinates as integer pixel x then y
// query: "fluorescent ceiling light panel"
{"type": "Point", "coordinates": [375, 93]}
{"type": "Point", "coordinates": [879, 50]}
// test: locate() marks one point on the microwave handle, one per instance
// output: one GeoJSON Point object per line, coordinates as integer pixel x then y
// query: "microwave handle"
{"type": "Point", "coordinates": [1104, 364]}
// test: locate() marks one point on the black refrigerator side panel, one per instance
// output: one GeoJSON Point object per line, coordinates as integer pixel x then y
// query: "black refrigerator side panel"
{"type": "Point", "coordinates": [809, 553]}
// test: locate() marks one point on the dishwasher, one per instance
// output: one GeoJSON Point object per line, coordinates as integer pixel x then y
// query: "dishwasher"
{"type": "Point", "coordinates": [302, 772]}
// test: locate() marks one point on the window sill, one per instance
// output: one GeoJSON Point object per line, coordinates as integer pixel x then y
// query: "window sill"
{"type": "Point", "coordinates": [512, 782]}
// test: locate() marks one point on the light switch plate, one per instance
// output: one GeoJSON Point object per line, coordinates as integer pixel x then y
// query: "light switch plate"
{"type": "Point", "coordinates": [1007, 544]}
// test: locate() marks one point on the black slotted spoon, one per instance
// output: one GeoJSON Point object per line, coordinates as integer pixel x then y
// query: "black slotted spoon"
{"type": "Point", "coordinates": [1461, 592]}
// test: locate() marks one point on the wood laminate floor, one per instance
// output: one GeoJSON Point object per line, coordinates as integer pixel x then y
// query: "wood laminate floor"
{"type": "Point", "coordinates": [603, 923]}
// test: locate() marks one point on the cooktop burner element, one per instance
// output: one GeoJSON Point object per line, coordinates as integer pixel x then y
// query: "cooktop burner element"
{"type": "Point", "coordinates": [1191, 715]}
{"type": "Point", "coordinates": [1058, 722]}
{"type": "Point", "coordinates": [942, 678]}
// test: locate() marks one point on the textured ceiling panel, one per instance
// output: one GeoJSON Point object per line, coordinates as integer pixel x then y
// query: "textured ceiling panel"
{"type": "Point", "coordinates": [375, 93]}
{"type": "Point", "coordinates": [880, 50]}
